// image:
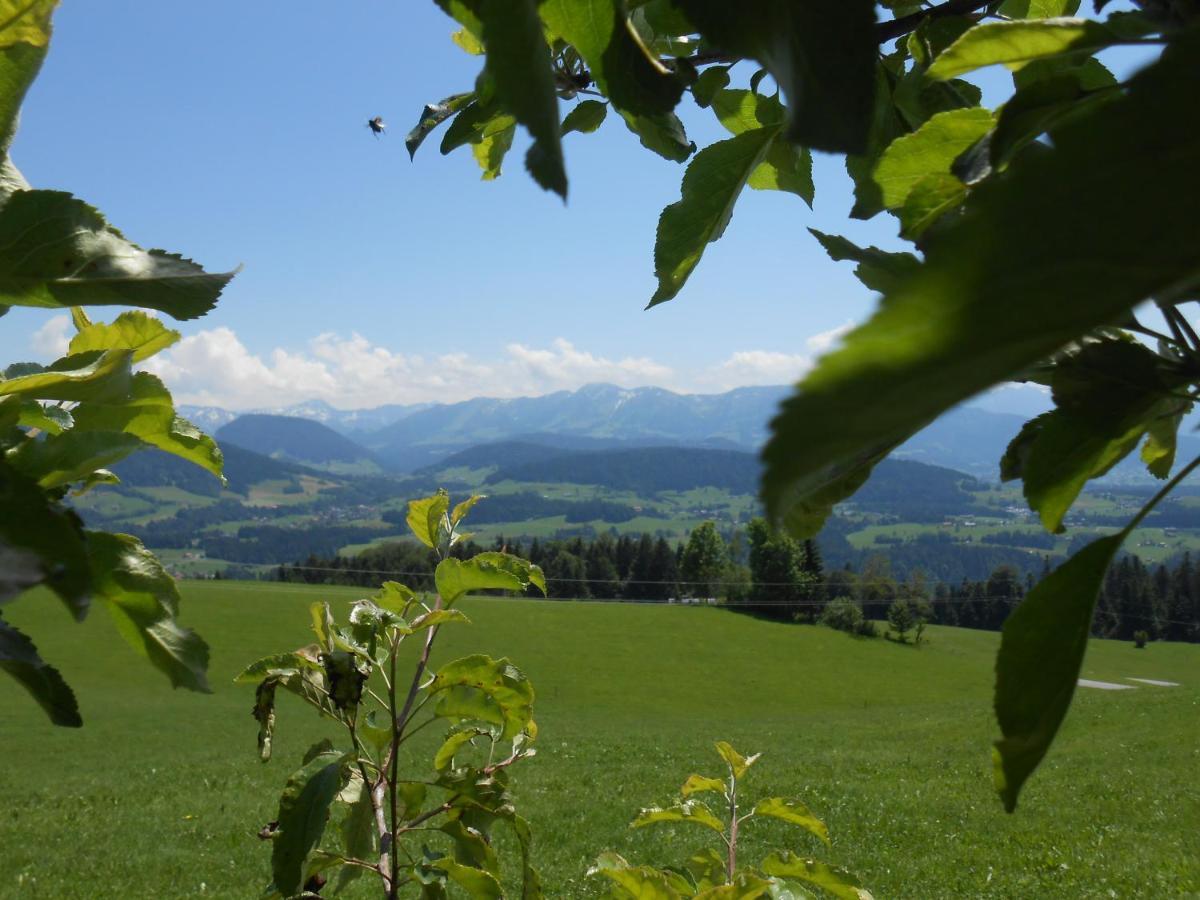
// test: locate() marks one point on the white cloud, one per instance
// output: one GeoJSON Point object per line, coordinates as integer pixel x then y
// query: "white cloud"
{"type": "Point", "coordinates": [827, 340]}
{"type": "Point", "coordinates": [214, 367]}
{"type": "Point", "coordinates": [52, 339]}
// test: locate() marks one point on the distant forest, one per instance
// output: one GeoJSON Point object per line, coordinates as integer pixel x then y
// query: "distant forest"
{"type": "Point", "coordinates": [1163, 601]}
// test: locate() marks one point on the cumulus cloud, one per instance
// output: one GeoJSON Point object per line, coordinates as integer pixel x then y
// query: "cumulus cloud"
{"type": "Point", "coordinates": [213, 367]}
{"type": "Point", "coordinates": [51, 340]}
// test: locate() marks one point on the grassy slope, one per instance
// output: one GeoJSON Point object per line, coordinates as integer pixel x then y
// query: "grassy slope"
{"type": "Point", "coordinates": [887, 743]}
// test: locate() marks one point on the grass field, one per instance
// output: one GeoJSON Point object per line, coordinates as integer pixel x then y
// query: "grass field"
{"type": "Point", "coordinates": [161, 792]}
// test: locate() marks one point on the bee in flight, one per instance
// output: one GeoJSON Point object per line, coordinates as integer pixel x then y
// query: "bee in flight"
{"type": "Point", "coordinates": [376, 125]}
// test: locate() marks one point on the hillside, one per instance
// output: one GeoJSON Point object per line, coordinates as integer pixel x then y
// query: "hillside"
{"type": "Point", "coordinates": [243, 470]}
{"type": "Point", "coordinates": [886, 743]}
{"type": "Point", "coordinates": [297, 440]}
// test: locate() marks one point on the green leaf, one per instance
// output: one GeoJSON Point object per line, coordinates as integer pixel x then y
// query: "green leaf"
{"type": "Point", "coordinates": [438, 617]}
{"type": "Point", "coordinates": [518, 60]}
{"type": "Point", "coordinates": [50, 419]}
{"type": "Point", "coordinates": [707, 868]}
{"type": "Point", "coordinates": [930, 198]}
{"type": "Point", "coordinates": [663, 133]}
{"type": "Point", "coordinates": [148, 414]}
{"type": "Point", "coordinates": [303, 812]}
{"type": "Point", "coordinates": [880, 270]}
{"type": "Point", "coordinates": [461, 510]}
{"type": "Point", "coordinates": [585, 118]}
{"type": "Point", "coordinates": [444, 758]}
{"type": "Point", "coordinates": [485, 571]}
{"type": "Point", "coordinates": [831, 879]}
{"type": "Point", "coordinates": [35, 527]}
{"type": "Point", "coordinates": [1038, 9]}
{"type": "Point", "coordinates": [1039, 106]}
{"type": "Point", "coordinates": [711, 186]}
{"type": "Point", "coordinates": [930, 150]}
{"type": "Point", "coordinates": [1020, 274]}
{"type": "Point", "coordinates": [134, 330]}
{"type": "Point", "coordinates": [745, 886]}
{"type": "Point", "coordinates": [425, 517]}
{"type": "Point", "coordinates": [795, 812]}
{"type": "Point", "coordinates": [20, 62]}
{"type": "Point", "coordinates": [1018, 42]}
{"type": "Point", "coordinates": [706, 86]}
{"type": "Point", "coordinates": [58, 251]}
{"type": "Point", "coordinates": [690, 811]}
{"type": "Point", "coordinates": [785, 166]}
{"type": "Point", "coordinates": [1158, 453]}
{"type": "Point", "coordinates": [433, 115]}
{"type": "Point", "coordinates": [484, 689]}
{"type": "Point", "coordinates": [531, 882]}
{"type": "Point", "coordinates": [471, 847]}
{"type": "Point", "coordinates": [478, 884]}
{"type": "Point", "coordinates": [829, 82]}
{"type": "Point", "coordinates": [264, 714]}
{"type": "Point", "coordinates": [624, 70]}
{"type": "Point", "coordinates": [144, 602]}
{"type": "Point", "coordinates": [89, 376]}
{"type": "Point", "coordinates": [20, 659]}
{"type": "Point", "coordinates": [282, 665]}
{"type": "Point", "coordinates": [636, 882]}
{"type": "Point", "coordinates": [1041, 652]}
{"type": "Point", "coordinates": [494, 141]}
{"type": "Point", "coordinates": [1107, 394]}
{"type": "Point", "coordinates": [394, 596]}
{"type": "Point", "coordinates": [696, 784]}
{"type": "Point", "coordinates": [886, 126]}
{"type": "Point", "coordinates": [737, 763]}
{"type": "Point", "coordinates": [71, 456]}
{"type": "Point", "coordinates": [359, 836]}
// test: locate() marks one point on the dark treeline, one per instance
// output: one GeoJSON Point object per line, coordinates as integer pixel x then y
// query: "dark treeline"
{"type": "Point", "coordinates": [773, 576]}
{"type": "Point", "coordinates": [526, 505]}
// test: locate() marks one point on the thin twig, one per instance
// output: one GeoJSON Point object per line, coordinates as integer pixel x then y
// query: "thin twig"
{"type": "Point", "coordinates": [894, 28]}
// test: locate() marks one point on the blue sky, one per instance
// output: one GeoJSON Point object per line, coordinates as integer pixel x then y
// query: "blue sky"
{"type": "Point", "coordinates": [235, 134]}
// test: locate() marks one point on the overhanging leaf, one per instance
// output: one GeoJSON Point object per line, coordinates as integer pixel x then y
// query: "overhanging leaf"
{"type": "Point", "coordinates": [144, 602]}
{"type": "Point", "coordinates": [433, 115]}
{"type": "Point", "coordinates": [880, 270]}
{"type": "Point", "coordinates": [20, 659]}
{"type": "Point", "coordinates": [60, 252]}
{"type": "Point", "coordinates": [133, 330]}
{"type": "Point", "coordinates": [1041, 652]}
{"type": "Point", "coordinates": [822, 53]}
{"type": "Point", "coordinates": [586, 117]}
{"type": "Point", "coordinates": [930, 150]}
{"type": "Point", "coordinates": [623, 69]}
{"type": "Point", "coordinates": [711, 185]}
{"type": "Point", "coordinates": [1033, 262]}
{"type": "Point", "coordinates": [1017, 42]}
{"type": "Point", "coordinates": [518, 60]}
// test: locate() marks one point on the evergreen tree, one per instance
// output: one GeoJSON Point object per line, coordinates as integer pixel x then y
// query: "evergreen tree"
{"type": "Point", "coordinates": [704, 561]}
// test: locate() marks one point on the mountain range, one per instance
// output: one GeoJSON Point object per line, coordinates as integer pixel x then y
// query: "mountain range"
{"type": "Point", "coordinates": [596, 417]}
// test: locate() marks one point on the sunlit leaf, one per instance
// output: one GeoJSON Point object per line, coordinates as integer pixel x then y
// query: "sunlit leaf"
{"type": "Point", "coordinates": [792, 811]}
{"type": "Point", "coordinates": [144, 602]}
{"type": "Point", "coordinates": [930, 150]}
{"type": "Point", "coordinates": [485, 689]}
{"type": "Point", "coordinates": [831, 879]}
{"type": "Point", "coordinates": [1017, 42]}
{"type": "Point", "coordinates": [1033, 262]}
{"type": "Point", "coordinates": [690, 811]}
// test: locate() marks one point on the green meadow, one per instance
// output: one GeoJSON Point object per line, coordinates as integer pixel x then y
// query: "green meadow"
{"type": "Point", "coordinates": [161, 794]}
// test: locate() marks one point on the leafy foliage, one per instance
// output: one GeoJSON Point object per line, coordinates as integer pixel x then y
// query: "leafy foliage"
{"type": "Point", "coordinates": [350, 675]}
{"type": "Point", "coordinates": [1040, 226]}
{"type": "Point", "coordinates": [706, 874]}
{"type": "Point", "coordinates": [63, 425]}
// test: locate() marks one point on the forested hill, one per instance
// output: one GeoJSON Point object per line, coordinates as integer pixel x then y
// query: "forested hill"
{"type": "Point", "coordinates": [243, 468]}
{"type": "Point", "coordinates": [287, 437]}
{"type": "Point", "coordinates": [645, 470]}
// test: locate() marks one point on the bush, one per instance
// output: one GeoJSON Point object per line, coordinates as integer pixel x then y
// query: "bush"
{"type": "Point", "coordinates": [1140, 638]}
{"type": "Point", "coordinates": [845, 615]}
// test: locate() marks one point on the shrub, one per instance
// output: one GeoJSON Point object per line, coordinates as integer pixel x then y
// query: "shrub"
{"type": "Point", "coordinates": [845, 615]}
{"type": "Point", "coordinates": [1139, 639]}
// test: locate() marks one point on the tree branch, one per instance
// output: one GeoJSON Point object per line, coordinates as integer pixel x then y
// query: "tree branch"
{"type": "Point", "coordinates": [886, 31]}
